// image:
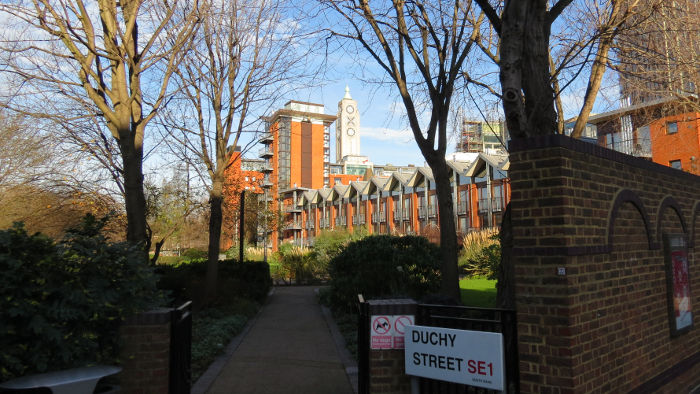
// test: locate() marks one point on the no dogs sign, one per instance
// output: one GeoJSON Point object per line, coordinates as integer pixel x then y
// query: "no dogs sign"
{"type": "Point", "coordinates": [387, 331]}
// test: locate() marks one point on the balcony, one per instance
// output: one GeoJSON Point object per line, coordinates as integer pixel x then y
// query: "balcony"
{"type": "Point", "coordinates": [266, 138]}
{"type": "Point", "coordinates": [497, 204]}
{"type": "Point", "coordinates": [483, 205]}
{"type": "Point", "coordinates": [292, 209]}
{"type": "Point", "coordinates": [362, 218]}
{"type": "Point", "coordinates": [266, 152]}
{"type": "Point", "coordinates": [432, 211]}
{"type": "Point", "coordinates": [293, 225]}
{"type": "Point", "coordinates": [266, 184]}
{"type": "Point", "coordinates": [310, 224]}
{"type": "Point", "coordinates": [397, 215]}
{"type": "Point", "coordinates": [266, 169]}
{"type": "Point", "coordinates": [382, 217]}
{"type": "Point", "coordinates": [344, 220]}
{"type": "Point", "coordinates": [421, 212]}
{"type": "Point", "coordinates": [406, 214]}
{"type": "Point", "coordinates": [461, 208]}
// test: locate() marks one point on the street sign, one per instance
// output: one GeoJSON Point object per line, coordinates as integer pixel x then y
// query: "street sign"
{"type": "Point", "coordinates": [475, 358]}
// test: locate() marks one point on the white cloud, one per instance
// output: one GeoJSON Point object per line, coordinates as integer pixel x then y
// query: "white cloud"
{"type": "Point", "coordinates": [402, 137]}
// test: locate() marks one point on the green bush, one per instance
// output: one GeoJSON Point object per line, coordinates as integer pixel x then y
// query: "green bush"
{"type": "Point", "coordinates": [193, 254]}
{"type": "Point", "coordinates": [384, 266]}
{"type": "Point", "coordinates": [61, 304]}
{"type": "Point", "coordinates": [329, 243]}
{"type": "Point", "coordinates": [186, 281]}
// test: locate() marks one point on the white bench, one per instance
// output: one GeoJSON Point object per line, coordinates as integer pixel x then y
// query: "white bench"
{"type": "Point", "coordinates": [69, 381]}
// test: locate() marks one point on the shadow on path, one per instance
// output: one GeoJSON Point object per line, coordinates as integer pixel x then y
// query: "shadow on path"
{"type": "Point", "coordinates": [288, 349]}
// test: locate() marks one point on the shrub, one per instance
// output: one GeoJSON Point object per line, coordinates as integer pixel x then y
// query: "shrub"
{"type": "Point", "coordinates": [186, 281]}
{"type": "Point", "coordinates": [384, 266]}
{"type": "Point", "coordinates": [61, 304]}
{"type": "Point", "coordinates": [328, 244]}
{"type": "Point", "coordinates": [193, 253]}
{"type": "Point", "coordinates": [481, 254]}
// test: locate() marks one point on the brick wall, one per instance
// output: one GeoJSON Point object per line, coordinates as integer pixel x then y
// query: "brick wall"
{"type": "Point", "coordinates": [145, 353]}
{"type": "Point", "coordinates": [602, 325]}
{"type": "Point", "coordinates": [386, 369]}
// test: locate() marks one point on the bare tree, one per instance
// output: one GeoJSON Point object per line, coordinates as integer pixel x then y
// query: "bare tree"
{"type": "Point", "coordinates": [657, 55]}
{"type": "Point", "coordinates": [610, 20]}
{"type": "Point", "coordinates": [422, 47]}
{"type": "Point", "coordinates": [40, 184]}
{"type": "Point", "coordinates": [112, 58]}
{"type": "Point", "coordinates": [243, 56]}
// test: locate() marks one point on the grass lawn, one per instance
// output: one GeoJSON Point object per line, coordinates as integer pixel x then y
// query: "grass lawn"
{"type": "Point", "coordinates": [478, 292]}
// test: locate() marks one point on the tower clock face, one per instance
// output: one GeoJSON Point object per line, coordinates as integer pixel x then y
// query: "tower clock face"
{"type": "Point", "coordinates": [351, 132]}
{"type": "Point", "coordinates": [350, 109]}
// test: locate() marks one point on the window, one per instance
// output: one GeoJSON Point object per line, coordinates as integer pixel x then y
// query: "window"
{"type": "Point", "coordinates": [246, 179]}
{"type": "Point", "coordinates": [675, 164]}
{"type": "Point", "coordinates": [671, 127]}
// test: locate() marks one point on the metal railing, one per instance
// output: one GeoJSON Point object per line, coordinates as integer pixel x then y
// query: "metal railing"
{"type": "Point", "coordinates": [265, 151]}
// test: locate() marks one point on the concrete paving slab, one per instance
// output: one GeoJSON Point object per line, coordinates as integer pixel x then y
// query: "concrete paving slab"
{"type": "Point", "coordinates": [288, 349]}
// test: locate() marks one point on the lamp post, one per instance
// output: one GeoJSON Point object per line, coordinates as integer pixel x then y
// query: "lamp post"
{"type": "Point", "coordinates": [265, 226]}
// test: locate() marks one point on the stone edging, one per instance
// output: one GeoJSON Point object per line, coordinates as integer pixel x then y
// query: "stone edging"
{"type": "Point", "coordinates": [346, 358]}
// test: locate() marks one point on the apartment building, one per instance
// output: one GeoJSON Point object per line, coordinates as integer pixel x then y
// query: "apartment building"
{"type": "Point", "coordinates": [401, 203]}
{"type": "Point", "coordinates": [665, 131]}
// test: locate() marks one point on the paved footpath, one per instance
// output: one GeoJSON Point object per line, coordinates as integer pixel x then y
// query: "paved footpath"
{"type": "Point", "coordinates": [288, 349]}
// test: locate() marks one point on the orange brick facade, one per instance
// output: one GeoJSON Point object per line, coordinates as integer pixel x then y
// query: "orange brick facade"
{"type": "Point", "coordinates": [682, 145]}
{"type": "Point", "coordinates": [590, 275]}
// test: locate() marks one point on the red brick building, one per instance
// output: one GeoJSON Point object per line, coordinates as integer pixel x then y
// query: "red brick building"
{"type": "Point", "coordinates": [662, 131]}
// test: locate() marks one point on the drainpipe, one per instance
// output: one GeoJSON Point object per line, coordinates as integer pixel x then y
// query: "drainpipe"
{"type": "Point", "coordinates": [488, 194]}
{"type": "Point", "coordinates": [426, 186]}
{"type": "Point", "coordinates": [400, 210]}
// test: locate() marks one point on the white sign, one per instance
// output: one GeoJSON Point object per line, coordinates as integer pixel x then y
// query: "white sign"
{"type": "Point", "coordinates": [460, 356]}
{"type": "Point", "coordinates": [387, 331]}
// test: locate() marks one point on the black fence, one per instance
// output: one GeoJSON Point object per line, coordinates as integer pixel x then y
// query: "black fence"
{"type": "Point", "coordinates": [456, 317]}
{"type": "Point", "coordinates": [181, 349]}
{"type": "Point", "coordinates": [476, 319]}
{"type": "Point", "coordinates": [363, 346]}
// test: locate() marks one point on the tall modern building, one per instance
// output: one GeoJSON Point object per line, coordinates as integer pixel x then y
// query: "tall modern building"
{"type": "Point", "coordinates": [659, 52]}
{"type": "Point", "coordinates": [296, 150]}
{"type": "Point", "coordinates": [297, 147]}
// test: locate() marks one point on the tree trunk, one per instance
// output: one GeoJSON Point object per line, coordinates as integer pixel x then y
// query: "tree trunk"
{"type": "Point", "coordinates": [215, 221]}
{"type": "Point", "coordinates": [528, 96]}
{"type": "Point", "coordinates": [449, 285]}
{"type": "Point", "coordinates": [537, 86]}
{"type": "Point", "coordinates": [134, 199]}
